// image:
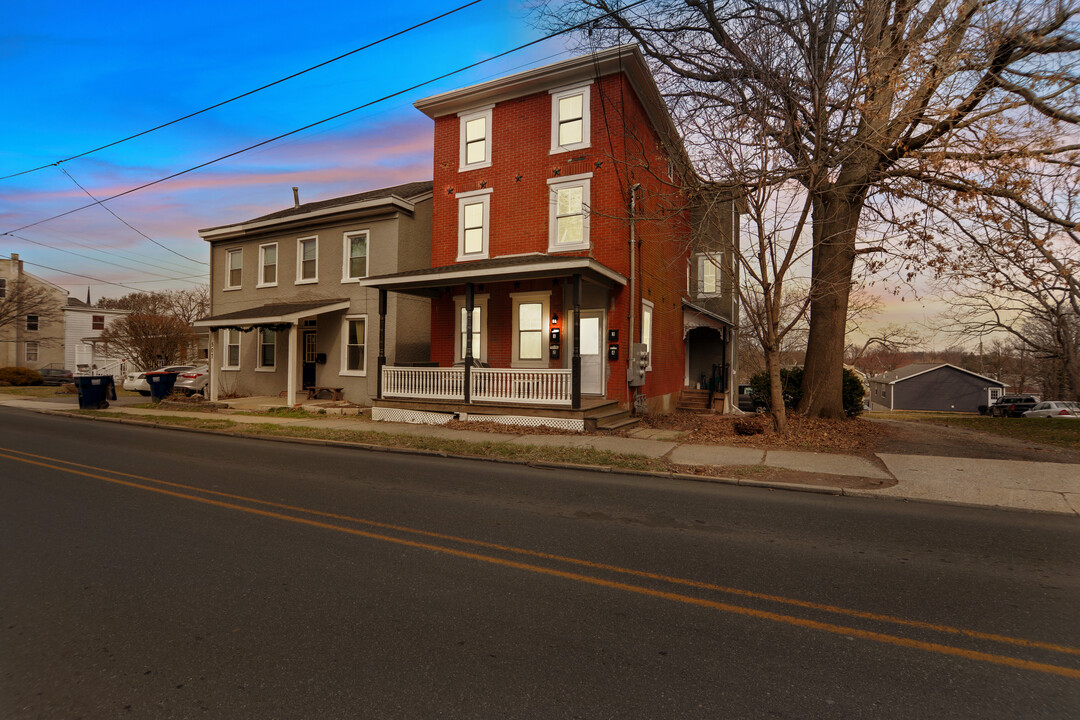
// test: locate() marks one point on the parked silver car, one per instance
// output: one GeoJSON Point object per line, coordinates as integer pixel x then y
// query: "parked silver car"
{"type": "Point", "coordinates": [136, 382]}
{"type": "Point", "coordinates": [1060, 409]}
{"type": "Point", "coordinates": [193, 381]}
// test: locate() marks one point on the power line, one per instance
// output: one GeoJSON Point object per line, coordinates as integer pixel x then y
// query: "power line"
{"type": "Point", "coordinates": [98, 260]}
{"type": "Point", "coordinates": [327, 119]}
{"type": "Point", "coordinates": [140, 232]}
{"type": "Point", "coordinates": [244, 95]}
{"type": "Point", "coordinates": [99, 281]}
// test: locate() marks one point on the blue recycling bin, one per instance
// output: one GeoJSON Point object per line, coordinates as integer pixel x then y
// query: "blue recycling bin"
{"type": "Point", "coordinates": [95, 391]}
{"type": "Point", "coordinates": [161, 384]}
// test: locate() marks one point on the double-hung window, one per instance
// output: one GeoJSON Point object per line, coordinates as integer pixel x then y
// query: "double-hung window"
{"type": "Point", "coordinates": [709, 274]}
{"type": "Point", "coordinates": [568, 213]}
{"type": "Point", "coordinates": [570, 119]}
{"type": "Point", "coordinates": [267, 349]}
{"type": "Point", "coordinates": [31, 322]}
{"type": "Point", "coordinates": [3, 288]}
{"type": "Point", "coordinates": [474, 219]}
{"type": "Point", "coordinates": [231, 343]}
{"type": "Point", "coordinates": [355, 252]}
{"type": "Point", "coordinates": [97, 322]}
{"type": "Point", "coordinates": [234, 268]}
{"type": "Point", "coordinates": [267, 265]}
{"type": "Point", "coordinates": [354, 349]}
{"type": "Point", "coordinates": [307, 260]}
{"type": "Point", "coordinates": [647, 329]}
{"type": "Point", "coordinates": [530, 329]}
{"type": "Point", "coordinates": [31, 352]}
{"type": "Point", "coordinates": [475, 139]}
{"type": "Point", "coordinates": [479, 327]}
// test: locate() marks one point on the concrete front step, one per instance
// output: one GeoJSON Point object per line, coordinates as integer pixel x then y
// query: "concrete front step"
{"type": "Point", "coordinates": [610, 419]}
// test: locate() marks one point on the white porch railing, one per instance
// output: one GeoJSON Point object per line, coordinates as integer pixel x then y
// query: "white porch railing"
{"type": "Point", "coordinates": [425, 383]}
{"type": "Point", "coordinates": [535, 387]}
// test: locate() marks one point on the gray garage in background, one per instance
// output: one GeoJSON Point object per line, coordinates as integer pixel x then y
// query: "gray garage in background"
{"type": "Point", "coordinates": [933, 386]}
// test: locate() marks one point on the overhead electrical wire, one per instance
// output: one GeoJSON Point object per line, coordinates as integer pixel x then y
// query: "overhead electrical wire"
{"type": "Point", "coordinates": [99, 281]}
{"type": "Point", "coordinates": [324, 120]}
{"type": "Point", "coordinates": [99, 260]}
{"type": "Point", "coordinates": [246, 94]}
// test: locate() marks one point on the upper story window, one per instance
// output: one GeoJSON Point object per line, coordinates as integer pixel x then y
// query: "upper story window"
{"type": "Point", "coordinates": [708, 274]}
{"type": "Point", "coordinates": [267, 265]}
{"type": "Point", "coordinates": [474, 221]}
{"type": "Point", "coordinates": [307, 260]}
{"type": "Point", "coordinates": [234, 268]}
{"type": "Point", "coordinates": [31, 322]}
{"type": "Point", "coordinates": [568, 219]}
{"type": "Point", "coordinates": [475, 139]}
{"type": "Point", "coordinates": [97, 322]}
{"type": "Point", "coordinates": [570, 119]}
{"type": "Point", "coordinates": [355, 253]}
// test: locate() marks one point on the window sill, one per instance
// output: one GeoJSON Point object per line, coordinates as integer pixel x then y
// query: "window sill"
{"type": "Point", "coordinates": [569, 148]}
{"type": "Point", "coordinates": [353, 280]}
{"type": "Point", "coordinates": [266, 369]}
{"type": "Point", "coordinates": [475, 166]}
{"type": "Point", "coordinates": [569, 248]}
{"type": "Point", "coordinates": [267, 285]}
{"type": "Point", "coordinates": [310, 281]}
{"type": "Point", "coordinates": [230, 369]}
{"type": "Point", "coordinates": [352, 373]}
{"type": "Point", "coordinates": [473, 256]}
{"type": "Point", "coordinates": [228, 289]}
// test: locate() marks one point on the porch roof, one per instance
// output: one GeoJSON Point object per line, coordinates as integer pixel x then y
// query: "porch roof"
{"type": "Point", "coordinates": [514, 267]}
{"type": "Point", "coordinates": [695, 316]}
{"type": "Point", "coordinates": [274, 313]}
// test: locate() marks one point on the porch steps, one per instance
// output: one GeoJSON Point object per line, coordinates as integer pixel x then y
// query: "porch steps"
{"type": "Point", "coordinates": [693, 401]}
{"type": "Point", "coordinates": [610, 418]}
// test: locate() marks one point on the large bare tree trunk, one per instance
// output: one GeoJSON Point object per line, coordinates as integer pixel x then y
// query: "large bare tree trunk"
{"type": "Point", "coordinates": [836, 222]}
{"type": "Point", "coordinates": [776, 391]}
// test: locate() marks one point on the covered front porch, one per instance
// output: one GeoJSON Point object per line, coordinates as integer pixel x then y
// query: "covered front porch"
{"type": "Point", "coordinates": [520, 337]}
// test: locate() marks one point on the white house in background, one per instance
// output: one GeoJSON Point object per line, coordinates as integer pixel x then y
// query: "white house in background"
{"type": "Point", "coordinates": [83, 350]}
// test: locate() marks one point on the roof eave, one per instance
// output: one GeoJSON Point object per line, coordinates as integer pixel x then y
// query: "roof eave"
{"type": "Point", "coordinates": [228, 232]}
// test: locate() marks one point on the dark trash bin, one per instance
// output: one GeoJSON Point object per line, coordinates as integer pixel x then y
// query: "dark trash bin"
{"type": "Point", "coordinates": [95, 391]}
{"type": "Point", "coordinates": [161, 384]}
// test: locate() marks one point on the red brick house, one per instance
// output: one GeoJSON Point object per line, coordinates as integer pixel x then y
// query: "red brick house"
{"type": "Point", "coordinates": [562, 247]}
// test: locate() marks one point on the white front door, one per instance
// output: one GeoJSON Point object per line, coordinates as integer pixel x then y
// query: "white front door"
{"type": "Point", "coordinates": [592, 352]}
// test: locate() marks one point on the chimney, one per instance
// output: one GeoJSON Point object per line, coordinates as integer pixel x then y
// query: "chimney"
{"type": "Point", "coordinates": [17, 263]}
{"type": "Point", "coordinates": [296, 196]}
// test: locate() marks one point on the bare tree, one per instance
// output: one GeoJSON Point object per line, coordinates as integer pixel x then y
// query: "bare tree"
{"type": "Point", "coordinates": [23, 296]}
{"type": "Point", "coordinates": [872, 102]}
{"type": "Point", "coordinates": [150, 341]}
{"type": "Point", "coordinates": [188, 304]}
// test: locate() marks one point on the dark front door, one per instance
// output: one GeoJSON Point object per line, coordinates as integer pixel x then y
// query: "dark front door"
{"type": "Point", "coordinates": [308, 375]}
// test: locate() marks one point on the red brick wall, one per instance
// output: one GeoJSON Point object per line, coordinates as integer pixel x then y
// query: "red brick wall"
{"type": "Point", "coordinates": [627, 149]}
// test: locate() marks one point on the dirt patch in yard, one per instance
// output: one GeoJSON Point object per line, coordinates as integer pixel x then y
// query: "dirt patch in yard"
{"type": "Point", "coordinates": [915, 437]}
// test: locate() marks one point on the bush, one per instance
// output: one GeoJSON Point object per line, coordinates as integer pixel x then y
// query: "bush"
{"type": "Point", "coordinates": [20, 376]}
{"type": "Point", "coordinates": [791, 387]}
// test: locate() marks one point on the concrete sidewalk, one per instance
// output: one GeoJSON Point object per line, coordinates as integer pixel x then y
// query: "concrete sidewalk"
{"type": "Point", "coordinates": [1031, 486]}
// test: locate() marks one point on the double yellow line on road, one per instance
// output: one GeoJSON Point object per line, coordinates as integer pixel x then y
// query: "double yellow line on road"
{"type": "Point", "coordinates": [183, 492]}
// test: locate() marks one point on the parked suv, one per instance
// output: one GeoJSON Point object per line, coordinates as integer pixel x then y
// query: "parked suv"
{"type": "Point", "coordinates": [1013, 405]}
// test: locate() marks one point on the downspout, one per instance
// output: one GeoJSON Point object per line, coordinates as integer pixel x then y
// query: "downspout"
{"type": "Point", "coordinates": [633, 272]}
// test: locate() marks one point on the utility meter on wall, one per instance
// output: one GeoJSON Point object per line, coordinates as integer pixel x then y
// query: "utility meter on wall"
{"type": "Point", "coordinates": [638, 363]}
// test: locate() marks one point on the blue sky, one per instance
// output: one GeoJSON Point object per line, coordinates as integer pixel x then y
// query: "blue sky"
{"type": "Point", "coordinates": [78, 76]}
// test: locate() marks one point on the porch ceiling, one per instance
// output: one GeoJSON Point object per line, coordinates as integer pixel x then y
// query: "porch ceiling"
{"type": "Point", "coordinates": [519, 267]}
{"type": "Point", "coordinates": [274, 313]}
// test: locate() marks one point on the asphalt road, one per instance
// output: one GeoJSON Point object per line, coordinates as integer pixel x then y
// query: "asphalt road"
{"type": "Point", "coordinates": [161, 574]}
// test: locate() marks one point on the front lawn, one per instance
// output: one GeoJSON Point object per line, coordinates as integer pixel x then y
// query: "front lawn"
{"type": "Point", "coordinates": [1047, 431]}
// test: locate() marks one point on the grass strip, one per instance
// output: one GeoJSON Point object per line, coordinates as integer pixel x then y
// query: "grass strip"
{"type": "Point", "coordinates": [1048, 431]}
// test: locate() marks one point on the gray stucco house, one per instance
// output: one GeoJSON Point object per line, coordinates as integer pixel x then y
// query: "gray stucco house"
{"type": "Point", "coordinates": [287, 311]}
{"type": "Point", "coordinates": [933, 386]}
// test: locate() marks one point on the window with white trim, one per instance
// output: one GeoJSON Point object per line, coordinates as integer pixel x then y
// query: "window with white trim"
{"type": "Point", "coordinates": [708, 274]}
{"type": "Point", "coordinates": [267, 349]}
{"type": "Point", "coordinates": [530, 327]}
{"type": "Point", "coordinates": [97, 322]}
{"type": "Point", "coordinates": [31, 352]}
{"type": "Point", "coordinates": [31, 322]}
{"type": "Point", "coordinates": [479, 327]}
{"type": "Point", "coordinates": [268, 257]}
{"type": "Point", "coordinates": [230, 341]}
{"type": "Point", "coordinates": [647, 328]}
{"type": "Point", "coordinates": [234, 268]}
{"type": "Point", "coordinates": [475, 139]}
{"type": "Point", "coordinates": [355, 252]}
{"type": "Point", "coordinates": [568, 213]}
{"type": "Point", "coordinates": [569, 119]}
{"type": "Point", "coordinates": [354, 345]}
{"type": "Point", "coordinates": [307, 260]}
{"type": "Point", "coordinates": [474, 220]}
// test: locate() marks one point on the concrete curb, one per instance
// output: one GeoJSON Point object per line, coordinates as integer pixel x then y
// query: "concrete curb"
{"type": "Point", "coordinates": [790, 487]}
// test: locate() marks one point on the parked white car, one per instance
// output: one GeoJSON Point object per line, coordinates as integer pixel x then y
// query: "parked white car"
{"type": "Point", "coordinates": [136, 382]}
{"type": "Point", "coordinates": [194, 381]}
{"type": "Point", "coordinates": [1061, 409]}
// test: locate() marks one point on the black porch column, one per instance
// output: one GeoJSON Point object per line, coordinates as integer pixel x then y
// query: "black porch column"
{"type": "Point", "coordinates": [466, 352]}
{"type": "Point", "coordinates": [382, 343]}
{"type": "Point", "coordinates": [575, 359]}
